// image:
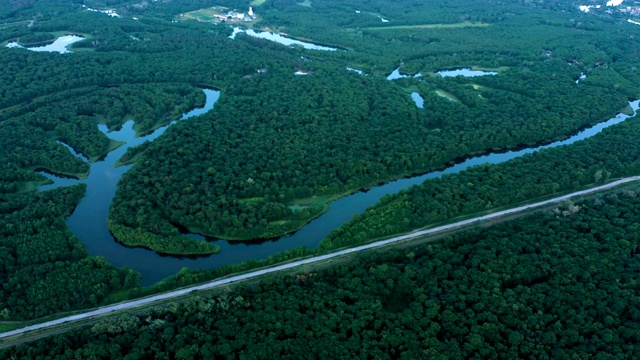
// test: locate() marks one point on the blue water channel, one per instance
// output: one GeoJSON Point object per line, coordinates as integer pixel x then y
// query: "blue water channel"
{"type": "Point", "coordinates": [88, 222]}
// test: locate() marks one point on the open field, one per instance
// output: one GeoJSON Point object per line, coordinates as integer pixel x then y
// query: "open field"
{"type": "Point", "coordinates": [203, 14]}
{"type": "Point", "coordinates": [430, 26]}
{"type": "Point", "coordinates": [449, 96]}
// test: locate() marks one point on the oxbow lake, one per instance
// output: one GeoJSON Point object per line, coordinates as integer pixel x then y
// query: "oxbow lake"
{"type": "Point", "coordinates": [279, 38]}
{"type": "Point", "coordinates": [59, 45]}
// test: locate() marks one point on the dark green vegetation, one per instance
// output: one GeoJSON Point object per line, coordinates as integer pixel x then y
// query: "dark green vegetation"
{"type": "Point", "coordinates": [170, 241]}
{"type": "Point", "coordinates": [46, 97]}
{"type": "Point", "coordinates": [614, 153]}
{"type": "Point", "coordinates": [327, 135]}
{"type": "Point", "coordinates": [611, 154]}
{"type": "Point", "coordinates": [274, 140]}
{"type": "Point", "coordinates": [43, 268]}
{"type": "Point", "coordinates": [562, 284]}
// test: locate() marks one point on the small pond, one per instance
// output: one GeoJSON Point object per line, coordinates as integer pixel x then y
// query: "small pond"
{"type": "Point", "coordinates": [395, 74]}
{"type": "Point", "coordinates": [419, 100]}
{"type": "Point", "coordinates": [355, 70]}
{"type": "Point", "coordinates": [281, 39]}
{"type": "Point", "coordinates": [466, 72]}
{"type": "Point", "coordinates": [59, 46]}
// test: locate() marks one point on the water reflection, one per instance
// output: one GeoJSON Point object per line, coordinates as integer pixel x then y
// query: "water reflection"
{"type": "Point", "coordinates": [59, 46]}
{"type": "Point", "coordinates": [466, 72]}
{"type": "Point", "coordinates": [280, 39]}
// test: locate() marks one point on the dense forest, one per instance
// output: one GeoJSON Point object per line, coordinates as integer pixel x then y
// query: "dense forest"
{"type": "Point", "coordinates": [45, 269]}
{"type": "Point", "coordinates": [328, 135]}
{"type": "Point", "coordinates": [559, 284]}
{"type": "Point", "coordinates": [260, 168]}
{"type": "Point", "coordinates": [611, 154]}
{"type": "Point", "coordinates": [278, 148]}
{"type": "Point", "coordinates": [480, 189]}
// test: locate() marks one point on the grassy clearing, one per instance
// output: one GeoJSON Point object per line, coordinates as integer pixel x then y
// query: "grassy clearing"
{"type": "Point", "coordinates": [201, 15]}
{"type": "Point", "coordinates": [257, 2]}
{"type": "Point", "coordinates": [60, 173]}
{"type": "Point", "coordinates": [251, 200]}
{"type": "Point", "coordinates": [305, 3]}
{"type": "Point", "coordinates": [7, 24]}
{"type": "Point", "coordinates": [206, 15]}
{"type": "Point", "coordinates": [449, 96]}
{"type": "Point", "coordinates": [28, 186]}
{"type": "Point", "coordinates": [310, 201]}
{"type": "Point", "coordinates": [113, 144]}
{"type": "Point", "coordinates": [627, 110]}
{"type": "Point", "coordinates": [431, 26]}
{"type": "Point", "coordinates": [8, 326]}
{"type": "Point", "coordinates": [131, 161]}
{"type": "Point", "coordinates": [57, 34]}
{"type": "Point", "coordinates": [496, 69]}
{"type": "Point", "coordinates": [281, 222]}
{"type": "Point", "coordinates": [479, 88]}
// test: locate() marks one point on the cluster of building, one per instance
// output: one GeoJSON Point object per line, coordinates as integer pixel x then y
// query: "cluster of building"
{"type": "Point", "coordinates": [613, 6]}
{"type": "Point", "coordinates": [301, 72]}
{"type": "Point", "coordinates": [236, 16]}
{"type": "Point", "coordinates": [635, 11]}
{"type": "Point", "coordinates": [613, 3]}
{"type": "Point", "coordinates": [111, 13]}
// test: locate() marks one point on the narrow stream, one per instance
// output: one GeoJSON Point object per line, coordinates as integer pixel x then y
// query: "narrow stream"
{"type": "Point", "coordinates": [88, 222]}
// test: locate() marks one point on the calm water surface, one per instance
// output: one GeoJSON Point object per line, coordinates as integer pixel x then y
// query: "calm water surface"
{"type": "Point", "coordinates": [280, 39]}
{"type": "Point", "coordinates": [466, 72]}
{"type": "Point", "coordinates": [395, 74]}
{"type": "Point", "coordinates": [59, 46]}
{"type": "Point", "coordinates": [419, 100]}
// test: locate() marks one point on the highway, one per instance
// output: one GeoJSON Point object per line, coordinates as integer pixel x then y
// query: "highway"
{"type": "Point", "coordinates": [132, 304]}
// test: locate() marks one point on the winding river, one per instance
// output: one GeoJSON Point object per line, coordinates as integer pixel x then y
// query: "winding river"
{"type": "Point", "coordinates": [88, 222]}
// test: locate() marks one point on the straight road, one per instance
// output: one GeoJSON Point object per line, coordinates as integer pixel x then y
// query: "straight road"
{"type": "Point", "coordinates": [132, 304]}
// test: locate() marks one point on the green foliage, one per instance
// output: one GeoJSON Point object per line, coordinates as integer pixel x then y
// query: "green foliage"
{"type": "Point", "coordinates": [549, 285]}
{"type": "Point", "coordinates": [611, 154]}
{"type": "Point", "coordinates": [275, 138]}
{"type": "Point", "coordinates": [335, 132]}
{"type": "Point", "coordinates": [133, 154]}
{"type": "Point", "coordinates": [188, 277]}
{"type": "Point", "coordinates": [36, 39]}
{"type": "Point", "coordinates": [44, 270]}
{"type": "Point", "coordinates": [169, 242]}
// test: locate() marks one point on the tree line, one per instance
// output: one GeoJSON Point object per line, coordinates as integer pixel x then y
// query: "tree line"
{"type": "Point", "coordinates": [500, 292]}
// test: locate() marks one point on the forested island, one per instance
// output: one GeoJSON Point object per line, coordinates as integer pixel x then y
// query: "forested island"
{"type": "Point", "coordinates": [294, 130]}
